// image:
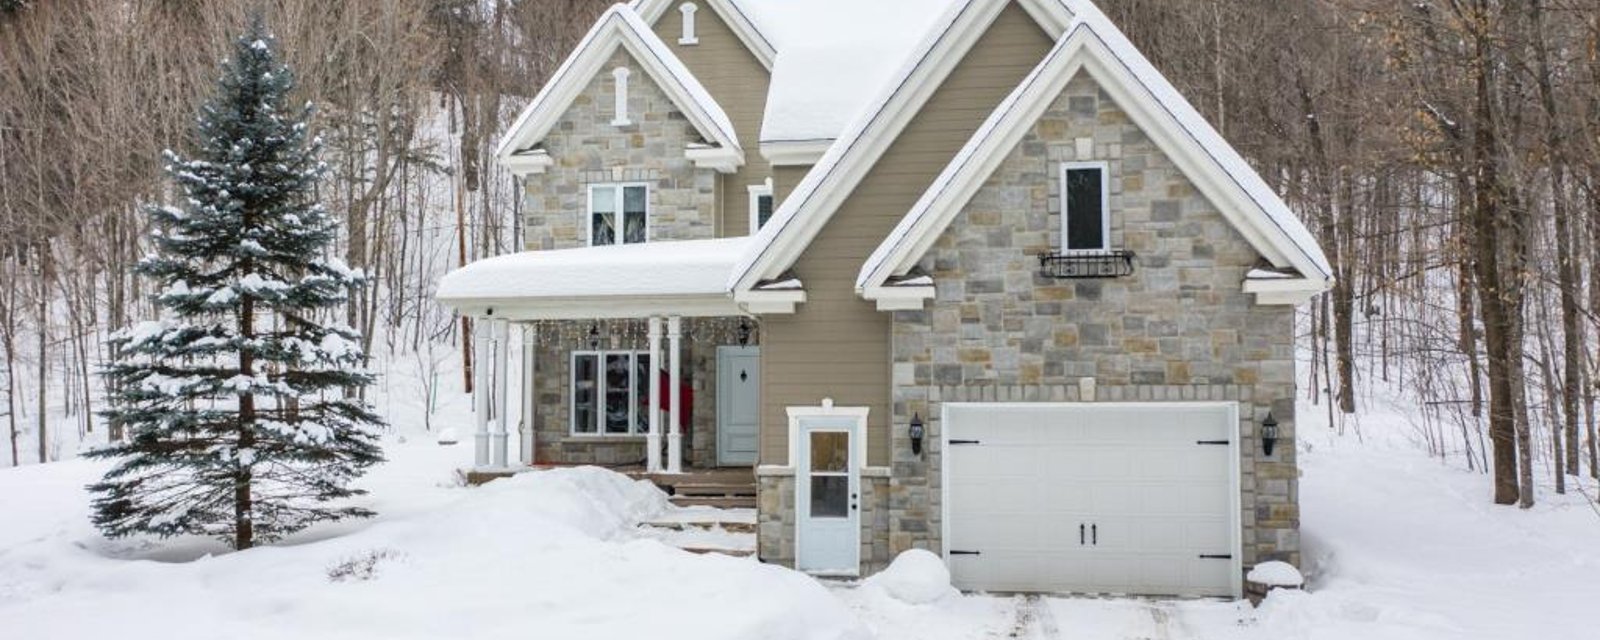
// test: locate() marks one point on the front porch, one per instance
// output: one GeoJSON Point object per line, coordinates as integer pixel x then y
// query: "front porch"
{"type": "Point", "coordinates": [660, 395]}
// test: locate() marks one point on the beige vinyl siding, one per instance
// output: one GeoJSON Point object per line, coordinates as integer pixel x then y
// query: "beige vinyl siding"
{"type": "Point", "coordinates": [738, 82]}
{"type": "Point", "coordinates": [837, 345]}
{"type": "Point", "coordinates": [785, 179]}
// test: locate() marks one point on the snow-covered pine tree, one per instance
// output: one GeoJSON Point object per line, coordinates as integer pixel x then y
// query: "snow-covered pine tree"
{"type": "Point", "coordinates": [236, 398]}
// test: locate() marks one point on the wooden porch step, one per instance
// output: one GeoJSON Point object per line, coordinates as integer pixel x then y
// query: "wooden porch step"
{"type": "Point", "coordinates": [720, 502]}
{"type": "Point", "coordinates": [735, 553]}
{"type": "Point", "coordinates": [725, 525]}
{"type": "Point", "coordinates": [715, 489]}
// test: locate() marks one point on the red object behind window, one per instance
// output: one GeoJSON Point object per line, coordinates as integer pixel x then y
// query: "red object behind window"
{"type": "Point", "coordinates": [685, 395]}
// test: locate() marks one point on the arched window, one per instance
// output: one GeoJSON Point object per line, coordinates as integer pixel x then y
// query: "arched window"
{"type": "Point", "coordinates": [689, 37]}
{"type": "Point", "coordinates": [621, 75]}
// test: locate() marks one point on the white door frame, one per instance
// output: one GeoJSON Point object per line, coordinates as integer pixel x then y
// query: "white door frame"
{"type": "Point", "coordinates": [855, 421]}
{"type": "Point", "coordinates": [1236, 531]}
{"type": "Point", "coordinates": [724, 353]}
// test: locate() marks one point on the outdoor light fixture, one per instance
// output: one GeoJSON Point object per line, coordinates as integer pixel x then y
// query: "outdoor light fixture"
{"type": "Point", "coordinates": [744, 333]}
{"type": "Point", "coordinates": [594, 336]}
{"type": "Point", "coordinates": [1269, 434]}
{"type": "Point", "coordinates": [917, 432]}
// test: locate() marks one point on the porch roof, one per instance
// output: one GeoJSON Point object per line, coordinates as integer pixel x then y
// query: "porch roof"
{"type": "Point", "coordinates": [688, 278]}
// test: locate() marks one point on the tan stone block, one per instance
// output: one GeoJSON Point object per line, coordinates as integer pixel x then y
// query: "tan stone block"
{"type": "Point", "coordinates": [1053, 294]}
{"type": "Point", "coordinates": [1246, 375]}
{"type": "Point", "coordinates": [986, 218]}
{"type": "Point", "coordinates": [1031, 373]}
{"type": "Point", "coordinates": [974, 355]}
{"type": "Point", "coordinates": [1178, 373]}
{"type": "Point", "coordinates": [1140, 345]}
{"type": "Point", "coordinates": [1067, 337]}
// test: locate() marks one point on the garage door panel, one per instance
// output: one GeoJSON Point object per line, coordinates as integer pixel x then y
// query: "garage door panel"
{"type": "Point", "coordinates": [1138, 474]}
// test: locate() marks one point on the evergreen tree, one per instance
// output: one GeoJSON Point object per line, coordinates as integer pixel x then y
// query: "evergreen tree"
{"type": "Point", "coordinates": [238, 399]}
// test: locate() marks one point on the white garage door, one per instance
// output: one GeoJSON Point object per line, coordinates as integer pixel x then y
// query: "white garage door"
{"type": "Point", "coordinates": [1093, 498]}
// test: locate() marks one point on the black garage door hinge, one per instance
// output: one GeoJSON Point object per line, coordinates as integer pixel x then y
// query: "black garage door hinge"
{"type": "Point", "coordinates": [955, 442]}
{"type": "Point", "coordinates": [1214, 442]}
{"type": "Point", "coordinates": [1216, 556]}
{"type": "Point", "coordinates": [965, 553]}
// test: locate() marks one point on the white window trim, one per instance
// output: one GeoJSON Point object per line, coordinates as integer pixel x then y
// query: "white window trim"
{"type": "Point", "coordinates": [588, 219]}
{"type": "Point", "coordinates": [620, 76]}
{"type": "Point", "coordinates": [1105, 205]}
{"type": "Point", "coordinates": [635, 430]}
{"type": "Point", "coordinates": [690, 36]}
{"type": "Point", "coordinates": [756, 191]}
{"type": "Point", "coordinates": [827, 410]}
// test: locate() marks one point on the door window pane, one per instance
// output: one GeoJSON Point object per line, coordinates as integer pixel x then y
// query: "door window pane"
{"type": "Point", "coordinates": [619, 372]}
{"type": "Point", "coordinates": [1084, 208]}
{"type": "Point", "coordinates": [830, 496]}
{"type": "Point", "coordinates": [585, 394]}
{"type": "Point", "coordinates": [830, 452]}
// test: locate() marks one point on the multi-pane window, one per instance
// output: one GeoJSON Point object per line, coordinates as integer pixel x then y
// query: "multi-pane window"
{"type": "Point", "coordinates": [610, 393]}
{"type": "Point", "coordinates": [618, 214]}
{"type": "Point", "coordinates": [1085, 207]}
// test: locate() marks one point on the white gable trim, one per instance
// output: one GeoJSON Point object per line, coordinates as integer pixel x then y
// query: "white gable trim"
{"type": "Point", "coordinates": [813, 202]}
{"type": "Point", "coordinates": [620, 27]}
{"type": "Point", "coordinates": [741, 25]}
{"type": "Point", "coordinates": [1084, 50]}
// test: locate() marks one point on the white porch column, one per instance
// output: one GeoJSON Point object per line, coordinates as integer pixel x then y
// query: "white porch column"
{"type": "Point", "coordinates": [502, 353]}
{"type": "Point", "coordinates": [530, 347]}
{"type": "Point", "coordinates": [653, 438]}
{"type": "Point", "coordinates": [674, 389]}
{"type": "Point", "coordinates": [480, 390]}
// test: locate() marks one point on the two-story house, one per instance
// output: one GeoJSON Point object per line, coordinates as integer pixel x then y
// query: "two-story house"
{"type": "Point", "coordinates": [964, 275]}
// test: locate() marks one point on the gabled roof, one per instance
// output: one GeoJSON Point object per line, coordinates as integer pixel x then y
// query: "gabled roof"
{"type": "Point", "coordinates": [621, 27]}
{"type": "Point", "coordinates": [734, 14]}
{"type": "Point", "coordinates": [1095, 46]}
{"type": "Point", "coordinates": [813, 202]}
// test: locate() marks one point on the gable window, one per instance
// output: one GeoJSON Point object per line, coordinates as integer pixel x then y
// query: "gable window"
{"type": "Point", "coordinates": [620, 75]}
{"type": "Point", "coordinates": [609, 393]}
{"type": "Point", "coordinates": [761, 205]}
{"type": "Point", "coordinates": [688, 9]}
{"type": "Point", "coordinates": [618, 214]}
{"type": "Point", "coordinates": [1085, 207]}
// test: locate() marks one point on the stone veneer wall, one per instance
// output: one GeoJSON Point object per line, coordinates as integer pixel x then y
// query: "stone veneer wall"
{"type": "Point", "coordinates": [588, 149]}
{"type": "Point", "coordinates": [776, 520]}
{"type": "Point", "coordinates": [553, 381]}
{"type": "Point", "coordinates": [1179, 329]}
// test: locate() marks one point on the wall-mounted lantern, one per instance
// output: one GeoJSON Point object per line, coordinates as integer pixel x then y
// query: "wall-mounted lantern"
{"type": "Point", "coordinates": [744, 333]}
{"type": "Point", "coordinates": [594, 336]}
{"type": "Point", "coordinates": [1269, 434]}
{"type": "Point", "coordinates": [917, 432]}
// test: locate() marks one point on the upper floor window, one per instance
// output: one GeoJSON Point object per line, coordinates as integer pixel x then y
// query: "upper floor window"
{"type": "Point", "coordinates": [620, 75]}
{"type": "Point", "coordinates": [688, 9]}
{"type": "Point", "coordinates": [618, 214]}
{"type": "Point", "coordinates": [1085, 206]}
{"type": "Point", "coordinates": [761, 205]}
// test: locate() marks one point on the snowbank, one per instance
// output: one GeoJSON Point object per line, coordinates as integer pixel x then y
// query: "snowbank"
{"type": "Point", "coordinates": [1276, 574]}
{"type": "Point", "coordinates": [550, 554]}
{"type": "Point", "coordinates": [916, 576]}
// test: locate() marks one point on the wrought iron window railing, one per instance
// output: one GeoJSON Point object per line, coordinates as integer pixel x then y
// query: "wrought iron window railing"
{"type": "Point", "coordinates": [1099, 264]}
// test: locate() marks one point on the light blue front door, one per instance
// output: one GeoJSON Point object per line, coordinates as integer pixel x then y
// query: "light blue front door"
{"type": "Point", "coordinates": [738, 405]}
{"type": "Point", "coordinates": [828, 497]}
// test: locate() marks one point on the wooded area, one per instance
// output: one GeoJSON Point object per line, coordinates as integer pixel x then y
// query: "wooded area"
{"type": "Point", "coordinates": [1446, 153]}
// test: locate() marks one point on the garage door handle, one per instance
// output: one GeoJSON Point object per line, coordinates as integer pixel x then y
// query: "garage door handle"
{"type": "Point", "coordinates": [1094, 532]}
{"type": "Point", "coordinates": [1080, 534]}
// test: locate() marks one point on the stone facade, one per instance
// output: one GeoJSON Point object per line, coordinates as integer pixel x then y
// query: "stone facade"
{"type": "Point", "coordinates": [588, 149]}
{"type": "Point", "coordinates": [776, 514]}
{"type": "Point", "coordinates": [1179, 329]}
{"type": "Point", "coordinates": [556, 444]}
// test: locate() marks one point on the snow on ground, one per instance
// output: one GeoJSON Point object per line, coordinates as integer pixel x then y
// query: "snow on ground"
{"type": "Point", "coordinates": [551, 554]}
{"type": "Point", "coordinates": [1397, 546]}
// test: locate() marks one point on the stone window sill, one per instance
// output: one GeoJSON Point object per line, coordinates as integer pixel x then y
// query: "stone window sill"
{"type": "Point", "coordinates": [602, 439]}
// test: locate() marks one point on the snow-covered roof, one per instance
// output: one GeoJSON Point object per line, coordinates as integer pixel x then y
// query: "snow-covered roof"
{"type": "Point", "coordinates": [621, 26]}
{"type": "Point", "coordinates": [1094, 45]}
{"type": "Point", "coordinates": [834, 57]}
{"type": "Point", "coordinates": [651, 269]}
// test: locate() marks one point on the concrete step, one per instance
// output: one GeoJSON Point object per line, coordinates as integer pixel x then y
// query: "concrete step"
{"type": "Point", "coordinates": [736, 553]}
{"type": "Point", "coordinates": [720, 502]}
{"type": "Point", "coordinates": [730, 527]}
